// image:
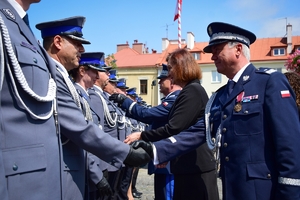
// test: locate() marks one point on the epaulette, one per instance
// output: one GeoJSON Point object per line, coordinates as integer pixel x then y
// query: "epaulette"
{"type": "Point", "coordinates": [266, 70]}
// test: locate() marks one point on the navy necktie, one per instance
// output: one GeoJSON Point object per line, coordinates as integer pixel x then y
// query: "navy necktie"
{"type": "Point", "coordinates": [230, 85]}
{"type": "Point", "coordinates": [26, 20]}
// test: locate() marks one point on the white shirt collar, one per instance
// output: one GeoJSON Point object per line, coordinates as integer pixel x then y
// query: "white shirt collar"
{"type": "Point", "coordinates": [96, 86]}
{"type": "Point", "coordinates": [61, 67]}
{"type": "Point", "coordinates": [83, 89]}
{"type": "Point", "coordinates": [239, 74]}
{"type": "Point", "coordinates": [17, 7]}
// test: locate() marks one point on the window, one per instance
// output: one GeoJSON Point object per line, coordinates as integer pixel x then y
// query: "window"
{"type": "Point", "coordinates": [143, 86]}
{"type": "Point", "coordinates": [196, 55]}
{"type": "Point", "coordinates": [298, 48]}
{"type": "Point", "coordinates": [278, 51]}
{"type": "Point", "coordinates": [215, 77]}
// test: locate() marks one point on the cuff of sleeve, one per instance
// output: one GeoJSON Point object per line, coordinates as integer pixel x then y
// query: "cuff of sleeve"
{"type": "Point", "coordinates": [155, 157]}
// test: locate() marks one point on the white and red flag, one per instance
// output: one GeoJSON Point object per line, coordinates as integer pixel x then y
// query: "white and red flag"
{"type": "Point", "coordinates": [177, 9]}
{"type": "Point", "coordinates": [178, 16]}
{"type": "Point", "coordinates": [285, 94]}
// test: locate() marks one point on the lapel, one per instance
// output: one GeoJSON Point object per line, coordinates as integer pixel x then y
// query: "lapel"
{"type": "Point", "coordinates": [11, 15]}
{"type": "Point", "coordinates": [239, 86]}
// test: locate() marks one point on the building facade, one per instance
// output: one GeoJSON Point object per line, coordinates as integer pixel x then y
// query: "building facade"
{"type": "Point", "coordinates": [140, 67]}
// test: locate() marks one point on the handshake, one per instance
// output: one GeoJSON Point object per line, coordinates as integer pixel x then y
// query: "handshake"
{"type": "Point", "coordinates": [140, 153]}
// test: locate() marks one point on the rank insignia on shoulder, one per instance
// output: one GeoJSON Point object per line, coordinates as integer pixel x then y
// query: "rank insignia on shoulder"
{"type": "Point", "coordinates": [267, 70]}
{"type": "Point", "coordinates": [285, 93]}
{"type": "Point", "coordinates": [165, 103]}
{"type": "Point", "coordinates": [9, 14]}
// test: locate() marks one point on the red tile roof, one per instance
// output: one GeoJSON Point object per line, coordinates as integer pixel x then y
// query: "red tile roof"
{"type": "Point", "coordinates": [129, 58]}
{"type": "Point", "coordinates": [260, 51]}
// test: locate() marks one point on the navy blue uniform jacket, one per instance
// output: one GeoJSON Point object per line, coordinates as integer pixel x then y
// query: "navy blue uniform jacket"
{"type": "Point", "coordinates": [186, 111]}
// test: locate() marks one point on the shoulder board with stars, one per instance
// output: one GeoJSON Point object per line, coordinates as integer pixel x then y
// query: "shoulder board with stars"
{"type": "Point", "coordinates": [266, 70]}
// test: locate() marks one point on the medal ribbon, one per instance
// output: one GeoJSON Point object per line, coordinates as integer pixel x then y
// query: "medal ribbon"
{"type": "Point", "coordinates": [240, 97]}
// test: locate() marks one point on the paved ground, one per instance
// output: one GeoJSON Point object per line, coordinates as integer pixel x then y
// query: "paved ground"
{"type": "Point", "coordinates": [145, 182]}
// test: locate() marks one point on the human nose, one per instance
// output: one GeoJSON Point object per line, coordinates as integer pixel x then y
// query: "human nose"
{"type": "Point", "coordinates": [81, 48]}
{"type": "Point", "coordinates": [213, 57]}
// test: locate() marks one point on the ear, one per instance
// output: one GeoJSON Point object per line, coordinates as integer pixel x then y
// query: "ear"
{"type": "Point", "coordinates": [239, 48]}
{"type": "Point", "coordinates": [81, 70]}
{"type": "Point", "coordinates": [58, 41]}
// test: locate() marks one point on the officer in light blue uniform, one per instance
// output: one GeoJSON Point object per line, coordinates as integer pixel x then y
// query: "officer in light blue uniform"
{"type": "Point", "coordinates": [253, 125]}
{"type": "Point", "coordinates": [118, 130]}
{"type": "Point", "coordinates": [85, 76]}
{"type": "Point", "coordinates": [30, 148]}
{"type": "Point", "coordinates": [63, 41]}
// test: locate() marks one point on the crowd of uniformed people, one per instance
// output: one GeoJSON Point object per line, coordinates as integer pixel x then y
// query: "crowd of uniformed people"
{"type": "Point", "coordinates": [70, 128]}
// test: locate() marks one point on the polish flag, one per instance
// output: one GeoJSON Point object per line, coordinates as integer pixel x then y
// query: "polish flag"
{"type": "Point", "coordinates": [285, 94]}
{"type": "Point", "coordinates": [177, 9]}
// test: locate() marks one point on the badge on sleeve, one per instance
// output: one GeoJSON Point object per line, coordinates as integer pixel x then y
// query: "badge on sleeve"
{"type": "Point", "coordinates": [285, 93]}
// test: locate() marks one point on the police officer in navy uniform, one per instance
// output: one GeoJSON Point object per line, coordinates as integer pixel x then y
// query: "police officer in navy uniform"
{"type": "Point", "coordinates": [30, 148]}
{"type": "Point", "coordinates": [157, 116]}
{"type": "Point", "coordinates": [64, 43]}
{"type": "Point", "coordinates": [256, 122]}
{"type": "Point", "coordinates": [84, 77]}
{"type": "Point", "coordinates": [253, 125]}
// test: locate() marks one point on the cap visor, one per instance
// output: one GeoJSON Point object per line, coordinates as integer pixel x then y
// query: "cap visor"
{"type": "Point", "coordinates": [83, 41]}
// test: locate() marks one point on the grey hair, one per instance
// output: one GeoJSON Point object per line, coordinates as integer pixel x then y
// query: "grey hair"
{"type": "Point", "coordinates": [246, 50]}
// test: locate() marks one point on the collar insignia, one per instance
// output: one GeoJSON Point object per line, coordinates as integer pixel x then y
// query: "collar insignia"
{"type": "Point", "coordinates": [245, 78]}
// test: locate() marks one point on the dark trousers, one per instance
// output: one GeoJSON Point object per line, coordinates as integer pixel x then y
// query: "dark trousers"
{"type": "Point", "coordinates": [196, 186]}
{"type": "Point", "coordinates": [113, 180]}
{"type": "Point", "coordinates": [163, 186]}
{"type": "Point", "coordinates": [125, 182]}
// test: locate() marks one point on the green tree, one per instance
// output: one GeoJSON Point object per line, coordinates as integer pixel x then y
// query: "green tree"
{"type": "Point", "coordinates": [111, 61]}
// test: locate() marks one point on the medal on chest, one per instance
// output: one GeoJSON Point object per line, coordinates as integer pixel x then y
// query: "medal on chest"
{"type": "Point", "coordinates": [238, 106]}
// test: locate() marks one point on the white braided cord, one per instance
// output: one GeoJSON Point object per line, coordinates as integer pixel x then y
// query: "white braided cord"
{"type": "Point", "coordinates": [51, 93]}
{"type": "Point", "coordinates": [110, 121]}
{"type": "Point", "coordinates": [213, 144]}
{"type": "Point", "coordinates": [18, 71]}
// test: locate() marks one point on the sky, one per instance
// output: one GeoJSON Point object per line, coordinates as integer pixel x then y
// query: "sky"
{"type": "Point", "coordinates": [112, 22]}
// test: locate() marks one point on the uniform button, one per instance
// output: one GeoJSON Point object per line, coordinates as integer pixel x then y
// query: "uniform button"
{"type": "Point", "coordinates": [246, 112]}
{"type": "Point", "coordinates": [225, 144]}
{"type": "Point", "coordinates": [226, 158]}
{"type": "Point", "coordinates": [15, 167]}
{"type": "Point", "coordinates": [35, 60]}
{"type": "Point", "coordinates": [269, 176]}
{"type": "Point", "coordinates": [224, 116]}
{"type": "Point", "coordinates": [224, 130]}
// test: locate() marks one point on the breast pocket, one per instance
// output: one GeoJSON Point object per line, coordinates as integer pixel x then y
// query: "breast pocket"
{"type": "Point", "coordinates": [34, 68]}
{"type": "Point", "coordinates": [249, 120]}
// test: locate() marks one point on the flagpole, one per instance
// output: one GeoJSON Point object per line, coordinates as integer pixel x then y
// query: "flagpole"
{"type": "Point", "coordinates": [179, 23]}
